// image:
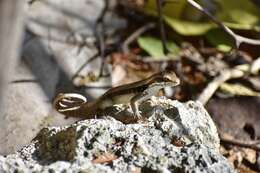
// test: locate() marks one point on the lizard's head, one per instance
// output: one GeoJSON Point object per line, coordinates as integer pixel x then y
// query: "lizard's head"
{"type": "Point", "coordinates": [170, 78]}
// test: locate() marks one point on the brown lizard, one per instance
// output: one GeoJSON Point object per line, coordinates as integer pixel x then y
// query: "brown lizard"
{"type": "Point", "coordinates": [73, 104]}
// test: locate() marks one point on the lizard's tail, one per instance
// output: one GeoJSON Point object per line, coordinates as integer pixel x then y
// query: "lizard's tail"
{"type": "Point", "coordinates": [69, 103]}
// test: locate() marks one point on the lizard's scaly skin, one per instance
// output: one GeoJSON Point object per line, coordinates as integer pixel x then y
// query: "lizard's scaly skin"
{"type": "Point", "coordinates": [73, 104]}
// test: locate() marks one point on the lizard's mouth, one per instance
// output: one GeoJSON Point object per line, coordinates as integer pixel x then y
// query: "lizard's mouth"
{"type": "Point", "coordinates": [177, 82]}
{"type": "Point", "coordinates": [173, 83]}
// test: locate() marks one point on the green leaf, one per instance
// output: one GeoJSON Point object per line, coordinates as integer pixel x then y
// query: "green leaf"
{"type": "Point", "coordinates": [174, 10]}
{"type": "Point", "coordinates": [220, 40]}
{"type": "Point", "coordinates": [153, 47]}
{"type": "Point", "coordinates": [188, 27]}
{"type": "Point", "coordinates": [238, 11]}
{"type": "Point", "coordinates": [238, 89]}
{"type": "Point", "coordinates": [236, 14]}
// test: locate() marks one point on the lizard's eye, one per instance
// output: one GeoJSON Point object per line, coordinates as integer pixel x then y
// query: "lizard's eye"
{"type": "Point", "coordinates": [170, 76]}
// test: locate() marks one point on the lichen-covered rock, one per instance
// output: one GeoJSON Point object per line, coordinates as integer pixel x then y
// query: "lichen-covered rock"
{"type": "Point", "coordinates": [177, 137]}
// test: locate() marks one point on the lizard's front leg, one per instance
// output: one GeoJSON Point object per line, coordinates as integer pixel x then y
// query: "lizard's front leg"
{"type": "Point", "coordinates": [136, 100]}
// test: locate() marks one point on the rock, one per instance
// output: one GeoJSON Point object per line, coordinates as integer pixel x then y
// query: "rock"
{"type": "Point", "coordinates": [52, 53]}
{"type": "Point", "coordinates": [176, 137]}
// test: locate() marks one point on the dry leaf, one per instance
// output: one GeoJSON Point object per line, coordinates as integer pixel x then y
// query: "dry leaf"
{"type": "Point", "coordinates": [238, 89]}
{"type": "Point", "coordinates": [105, 158]}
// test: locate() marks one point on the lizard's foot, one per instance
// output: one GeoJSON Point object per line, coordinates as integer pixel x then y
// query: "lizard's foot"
{"type": "Point", "coordinates": [138, 115]}
{"type": "Point", "coordinates": [68, 102]}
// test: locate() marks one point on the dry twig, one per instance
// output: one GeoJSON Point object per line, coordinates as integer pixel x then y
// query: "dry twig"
{"type": "Point", "coordinates": [214, 85]}
{"type": "Point", "coordinates": [84, 65]}
{"type": "Point", "coordinates": [161, 25]}
{"type": "Point", "coordinates": [251, 144]}
{"type": "Point", "coordinates": [99, 33]}
{"type": "Point", "coordinates": [225, 75]}
{"type": "Point", "coordinates": [135, 35]}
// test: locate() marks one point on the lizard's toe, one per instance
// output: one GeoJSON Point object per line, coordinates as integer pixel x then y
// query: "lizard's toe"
{"type": "Point", "coordinates": [138, 115]}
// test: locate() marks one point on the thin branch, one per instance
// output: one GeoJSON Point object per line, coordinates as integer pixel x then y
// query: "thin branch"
{"type": "Point", "coordinates": [135, 35]}
{"type": "Point", "coordinates": [84, 65]}
{"type": "Point", "coordinates": [237, 38]}
{"type": "Point", "coordinates": [24, 81]}
{"type": "Point", "coordinates": [214, 85]}
{"type": "Point", "coordinates": [251, 144]}
{"type": "Point", "coordinates": [99, 33]}
{"type": "Point", "coordinates": [225, 75]}
{"type": "Point", "coordinates": [255, 67]}
{"type": "Point", "coordinates": [161, 25]}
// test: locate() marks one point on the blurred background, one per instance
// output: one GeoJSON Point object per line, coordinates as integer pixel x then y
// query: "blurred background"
{"type": "Point", "coordinates": [49, 47]}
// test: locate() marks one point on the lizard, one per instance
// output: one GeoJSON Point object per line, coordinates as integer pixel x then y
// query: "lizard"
{"type": "Point", "coordinates": [73, 104]}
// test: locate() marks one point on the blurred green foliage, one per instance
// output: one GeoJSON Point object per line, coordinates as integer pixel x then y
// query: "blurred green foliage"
{"type": "Point", "coordinates": [153, 46]}
{"type": "Point", "coordinates": [187, 21]}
